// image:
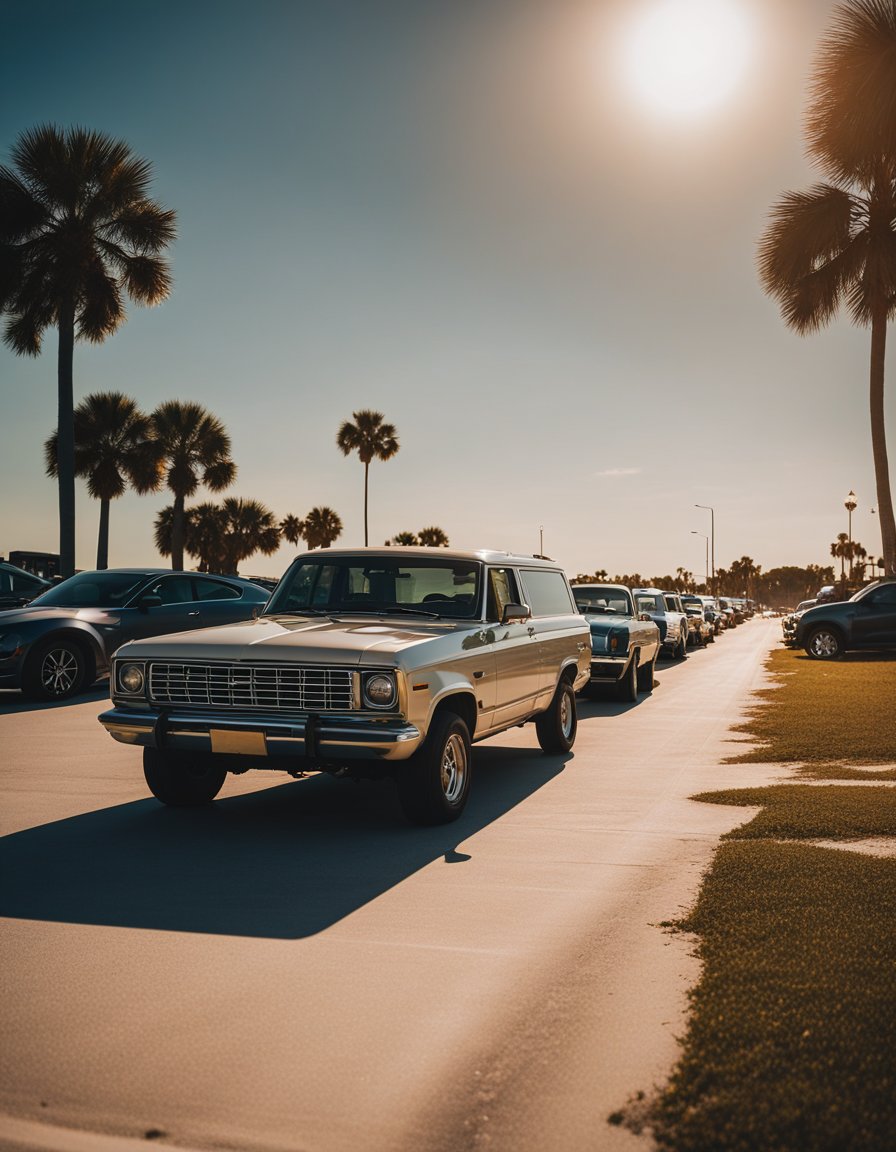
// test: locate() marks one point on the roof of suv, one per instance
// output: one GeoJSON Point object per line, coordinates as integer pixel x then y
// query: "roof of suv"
{"type": "Point", "coordinates": [487, 556]}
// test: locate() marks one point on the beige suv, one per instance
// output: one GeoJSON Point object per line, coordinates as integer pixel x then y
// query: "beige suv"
{"type": "Point", "coordinates": [366, 662]}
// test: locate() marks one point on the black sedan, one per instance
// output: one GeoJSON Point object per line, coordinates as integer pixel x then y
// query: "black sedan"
{"type": "Point", "coordinates": [62, 641]}
{"type": "Point", "coordinates": [867, 620]}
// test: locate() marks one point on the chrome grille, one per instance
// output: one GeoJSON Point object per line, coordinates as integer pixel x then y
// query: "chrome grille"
{"type": "Point", "coordinates": [273, 687]}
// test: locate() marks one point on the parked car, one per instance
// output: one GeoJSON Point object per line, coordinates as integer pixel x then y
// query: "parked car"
{"type": "Point", "coordinates": [624, 643]}
{"type": "Point", "coordinates": [18, 587]}
{"type": "Point", "coordinates": [672, 624]}
{"type": "Point", "coordinates": [713, 612]}
{"type": "Point", "coordinates": [789, 622]}
{"type": "Point", "coordinates": [370, 662]}
{"type": "Point", "coordinates": [62, 641]}
{"type": "Point", "coordinates": [866, 620]}
{"type": "Point", "coordinates": [701, 630]}
{"type": "Point", "coordinates": [732, 616]}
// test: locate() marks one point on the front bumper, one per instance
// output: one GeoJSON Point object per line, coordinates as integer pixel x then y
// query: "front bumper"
{"type": "Point", "coordinates": [608, 669]}
{"type": "Point", "coordinates": [311, 737]}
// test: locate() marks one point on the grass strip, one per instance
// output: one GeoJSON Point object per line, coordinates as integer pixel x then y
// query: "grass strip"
{"type": "Point", "coordinates": [822, 812]}
{"type": "Point", "coordinates": [823, 712]}
{"type": "Point", "coordinates": [790, 1044]}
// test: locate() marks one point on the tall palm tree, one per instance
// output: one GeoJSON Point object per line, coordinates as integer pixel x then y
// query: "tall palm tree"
{"type": "Point", "coordinates": [292, 529]}
{"type": "Point", "coordinates": [371, 438]}
{"type": "Point", "coordinates": [407, 539]}
{"type": "Point", "coordinates": [836, 243]}
{"type": "Point", "coordinates": [78, 234]}
{"type": "Point", "coordinates": [203, 534]}
{"type": "Point", "coordinates": [322, 527]}
{"type": "Point", "coordinates": [113, 448]}
{"type": "Point", "coordinates": [196, 450]}
{"type": "Point", "coordinates": [433, 537]}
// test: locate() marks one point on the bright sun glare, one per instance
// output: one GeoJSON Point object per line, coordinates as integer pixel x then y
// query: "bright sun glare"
{"type": "Point", "coordinates": [686, 57]}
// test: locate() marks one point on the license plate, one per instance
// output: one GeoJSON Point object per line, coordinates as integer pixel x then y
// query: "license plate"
{"type": "Point", "coordinates": [241, 743]}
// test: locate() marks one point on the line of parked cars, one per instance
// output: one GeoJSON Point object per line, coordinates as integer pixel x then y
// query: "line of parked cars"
{"type": "Point", "coordinates": [632, 627]}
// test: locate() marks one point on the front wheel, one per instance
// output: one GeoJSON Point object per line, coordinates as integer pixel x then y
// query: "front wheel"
{"type": "Point", "coordinates": [824, 644]}
{"type": "Point", "coordinates": [55, 670]}
{"type": "Point", "coordinates": [556, 726]}
{"type": "Point", "coordinates": [627, 686]}
{"type": "Point", "coordinates": [646, 675]}
{"type": "Point", "coordinates": [182, 779]}
{"type": "Point", "coordinates": [434, 784]}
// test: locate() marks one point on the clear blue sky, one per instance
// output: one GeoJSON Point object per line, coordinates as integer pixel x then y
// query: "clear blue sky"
{"type": "Point", "coordinates": [469, 217]}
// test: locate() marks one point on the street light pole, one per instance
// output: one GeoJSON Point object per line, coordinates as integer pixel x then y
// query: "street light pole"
{"type": "Point", "coordinates": [712, 528]}
{"type": "Point", "coordinates": [850, 504]}
{"type": "Point", "coordinates": [694, 532]}
{"type": "Point", "coordinates": [541, 539]}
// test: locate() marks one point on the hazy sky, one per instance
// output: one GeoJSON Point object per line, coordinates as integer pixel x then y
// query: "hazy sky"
{"type": "Point", "coordinates": [498, 222]}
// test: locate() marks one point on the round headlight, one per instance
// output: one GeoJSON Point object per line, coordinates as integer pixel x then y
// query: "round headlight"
{"type": "Point", "coordinates": [131, 678]}
{"type": "Point", "coordinates": [380, 691]}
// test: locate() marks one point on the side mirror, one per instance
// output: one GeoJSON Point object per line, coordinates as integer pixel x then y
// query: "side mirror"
{"type": "Point", "coordinates": [515, 613]}
{"type": "Point", "coordinates": [150, 600]}
{"type": "Point", "coordinates": [645, 617]}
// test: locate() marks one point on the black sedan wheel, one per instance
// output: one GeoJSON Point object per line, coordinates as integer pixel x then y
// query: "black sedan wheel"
{"type": "Point", "coordinates": [55, 670]}
{"type": "Point", "coordinates": [824, 644]}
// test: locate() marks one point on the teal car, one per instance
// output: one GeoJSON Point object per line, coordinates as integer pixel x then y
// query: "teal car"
{"type": "Point", "coordinates": [624, 642]}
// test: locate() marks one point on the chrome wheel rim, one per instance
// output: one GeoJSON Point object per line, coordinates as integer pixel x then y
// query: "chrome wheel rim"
{"type": "Point", "coordinates": [566, 715]}
{"type": "Point", "coordinates": [59, 671]}
{"type": "Point", "coordinates": [824, 644]}
{"type": "Point", "coordinates": [454, 768]}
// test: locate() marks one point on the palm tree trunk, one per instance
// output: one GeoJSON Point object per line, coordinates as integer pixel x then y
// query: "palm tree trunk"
{"type": "Point", "coordinates": [65, 424]}
{"type": "Point", "coordinates": [177, 534]}
{"type": "Point", "coordinates": [879, 440]}
{"type": "Point", "coordinates": [366, 470]}
{"type": "Point", "coordinates": [102, 545]}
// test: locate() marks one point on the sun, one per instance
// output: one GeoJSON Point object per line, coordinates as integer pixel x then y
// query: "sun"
{"type": "Point", "coordinates": [685, 58]}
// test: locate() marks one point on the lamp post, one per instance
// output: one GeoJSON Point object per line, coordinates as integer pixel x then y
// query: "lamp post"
{"type": "Point", "coordinates": [850, 505]}
{"type": "Point", "coordinates": [712, 528]}
{"type": "Point", "coordinates": [706, 538]}
{"type": "Point", "coordinates": [541, 539]}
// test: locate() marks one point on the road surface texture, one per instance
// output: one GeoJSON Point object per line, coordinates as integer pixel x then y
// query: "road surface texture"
{"type": "Point", "coordinates": [296, 968]}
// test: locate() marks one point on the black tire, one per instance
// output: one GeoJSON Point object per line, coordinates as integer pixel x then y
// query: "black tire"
{"type": "Point", "coordinates": [434, 784]}
{"type": "Point", "coordinates": [55, 670]}
{"type": "Point", "coordinates": [556, 726]}
{"type": "Point", "coordinates": [824, 643]}
{"type": "Point", "coordinates": [182, 779]}
{"type": "Point", "coordinates": [627, 686]}
{"type": "Point", "coordinates": [646, 675]}
{"type": "Point", "coordinates": [681, 651]}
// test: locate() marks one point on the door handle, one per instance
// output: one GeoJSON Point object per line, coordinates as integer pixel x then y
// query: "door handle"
{"type": "Point", "coordinates": [196, 613]}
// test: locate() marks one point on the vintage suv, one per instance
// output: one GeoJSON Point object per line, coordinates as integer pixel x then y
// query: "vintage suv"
{"type": "Point", "coordinates": [368, 662]}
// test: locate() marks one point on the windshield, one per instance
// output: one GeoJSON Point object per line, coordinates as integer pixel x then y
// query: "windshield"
{"type": "Point", "coordinates": [599, 600]}
{"type": "Point", "coordinates": [379, 586]}
{"type": "Point", "coordinates": [91, 590]}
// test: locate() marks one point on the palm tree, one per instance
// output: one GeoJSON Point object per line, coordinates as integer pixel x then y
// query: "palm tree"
{"type": "Point", "coordinates": [836, 244]}
{"type": "Point", "coordinates": [78, 233]}
{"type": "Point", "coordinates": [370, 438]}
{"type": "Point", "coordinates": [113, 448]}
{"type": "Point", "coordinates": [292, 529]}
{"type": "Point", "coordinates": [249, 527]}
{"type": "Point", "coordinates": [222, 535]}
{"type": "Point", "coordinates": [433, 537]}
{"type": "Point", "coordinates": [322, 527]}
{"type": "Point", "coordinates": [405, 539]}
{"type": "Point", "coordinates": [196, 450]}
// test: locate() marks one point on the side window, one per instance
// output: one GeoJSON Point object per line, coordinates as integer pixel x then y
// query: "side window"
{"type": "Point", "coordinates": [547, 592]}
{"type": "Point", "coordinates": [214, 590]}
{"type": "Point", "coordinates": [502, 590]}
{"type": "Point", "coordinates": [24, 583]}
{"type": "Point", "coordinates": [886, 594]}
{"type": "Point", "coordinates": [646, 604]}
{"type": "Point", "coordinates": [174, 589]}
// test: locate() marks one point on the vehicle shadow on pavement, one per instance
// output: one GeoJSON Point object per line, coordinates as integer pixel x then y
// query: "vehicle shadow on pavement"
{"type": "Point", "coordinates": [284, 862]}
{"type": "Point", "coordinates": [12, 701]}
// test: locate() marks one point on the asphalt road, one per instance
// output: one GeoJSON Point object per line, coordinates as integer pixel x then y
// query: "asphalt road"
{"type": "Point", "coordinates": [296, 968]}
